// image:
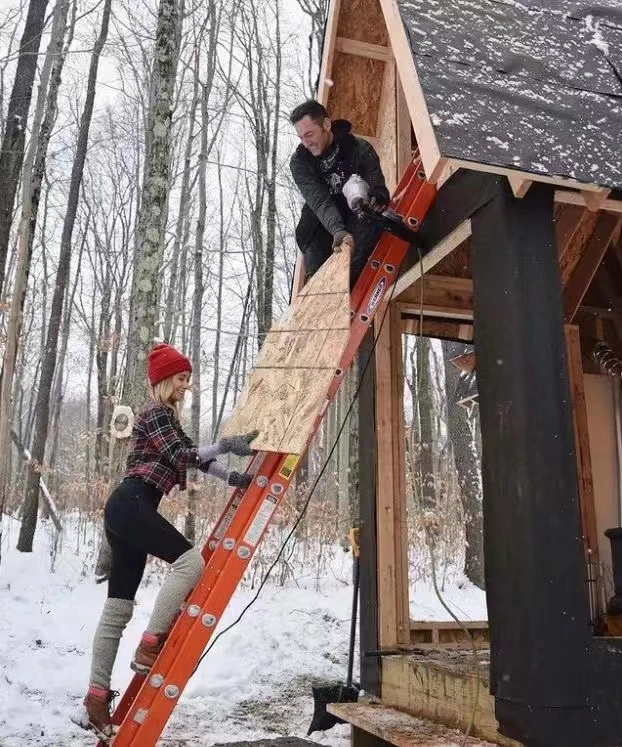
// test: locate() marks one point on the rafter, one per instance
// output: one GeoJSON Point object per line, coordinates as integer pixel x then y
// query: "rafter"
{"type": "Point", "coordinates": [607, 228]}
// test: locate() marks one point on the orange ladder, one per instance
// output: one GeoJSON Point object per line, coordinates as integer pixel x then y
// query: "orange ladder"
{"type": "Point", "coordinates": [148, 702]}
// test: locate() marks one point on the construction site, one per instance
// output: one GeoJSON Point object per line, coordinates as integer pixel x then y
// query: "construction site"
{"type": "Point", "coordinates": [498, 129]}
{"type": "Point", "coordinates": [517, 210]}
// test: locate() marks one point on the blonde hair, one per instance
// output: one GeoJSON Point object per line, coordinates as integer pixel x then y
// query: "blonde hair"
{"type": "Point", "coordinates": [162, 393]}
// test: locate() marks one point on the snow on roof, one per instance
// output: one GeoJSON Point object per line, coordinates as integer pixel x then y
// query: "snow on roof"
{"type": "Point", "coordinates": [534, 86]}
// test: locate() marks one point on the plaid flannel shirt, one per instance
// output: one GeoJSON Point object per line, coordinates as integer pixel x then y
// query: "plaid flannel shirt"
{"type": "Point", "coordinates": [160, 452]}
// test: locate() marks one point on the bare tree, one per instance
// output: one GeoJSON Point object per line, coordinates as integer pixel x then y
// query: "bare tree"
{"type": "Point", "coordinates": [260, 101]}
{"type": "Point", "coordinates": [316, 11]}
{"type": "Point", "coordinates": [154, 203]}
{"type": "Point", "coordinates": [420, 386]}
{"type": "Point", "coordinates": [463, 432]}
{"type": "Point", "coordinates": [34, 168]}
{"type": "Point", "coordinates": [12, 148]}
{"type": "Point", "coordinates": [31, 502]}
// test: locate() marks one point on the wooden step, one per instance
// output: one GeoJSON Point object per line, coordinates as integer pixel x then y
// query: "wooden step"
{"type": "Point", "coordinates": [400, 728]}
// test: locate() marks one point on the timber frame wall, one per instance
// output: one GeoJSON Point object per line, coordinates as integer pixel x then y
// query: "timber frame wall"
{"type": "Point", "coordinates": [368, 77]}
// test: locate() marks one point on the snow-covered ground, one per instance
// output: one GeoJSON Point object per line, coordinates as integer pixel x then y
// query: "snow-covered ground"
{"type": "Point", "coordinates": [255, 683]}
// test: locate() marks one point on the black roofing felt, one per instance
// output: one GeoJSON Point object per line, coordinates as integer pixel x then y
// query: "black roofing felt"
{"type": "Point", "coordinates": [534, 86]}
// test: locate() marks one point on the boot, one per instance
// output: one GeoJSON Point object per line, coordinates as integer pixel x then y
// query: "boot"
{"type": "Point", "coordinates": [95, 712]}
{"type": "Point", "coordinates": [147, 652]}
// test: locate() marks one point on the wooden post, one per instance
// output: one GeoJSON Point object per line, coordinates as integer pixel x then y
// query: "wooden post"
{"type": "Point", "coordinates": [394, 621]}
{"type": "Point", "coordinates": [584, 464]}
{"type": "Point", "coordinates": [370, 667]}
{"type": "Point", "coordinates": [535, 569]}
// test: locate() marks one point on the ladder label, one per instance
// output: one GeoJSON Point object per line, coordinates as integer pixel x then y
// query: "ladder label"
{"type": "Point", "coordinates": [260, 522]}
{"type": "Point", "coordinates": [224, 523]}
{"type": "Point", "coordinates": [376, 296]}
{"type": "Point", "coordinates": [289, 465]}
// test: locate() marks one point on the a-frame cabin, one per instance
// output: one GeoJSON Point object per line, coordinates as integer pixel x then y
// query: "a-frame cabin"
{"type": "Point", "coordinates": [516, 110]}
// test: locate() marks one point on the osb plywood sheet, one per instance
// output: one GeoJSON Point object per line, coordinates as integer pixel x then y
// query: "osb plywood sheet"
{"type": "Point", "coordinates": [297, 363]}
{"type": "Point", "coordinates": [362, 20]}
{"type": "Point", "coordinates": [356, 91]}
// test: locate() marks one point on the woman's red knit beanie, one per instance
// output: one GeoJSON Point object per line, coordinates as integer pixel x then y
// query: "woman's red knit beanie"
{"type": "Point", "coordinates": [164, 361]}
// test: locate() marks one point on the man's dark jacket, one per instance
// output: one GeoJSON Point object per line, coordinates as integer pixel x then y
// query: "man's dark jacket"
{"type": "Point", "coordinates": [323, 214]}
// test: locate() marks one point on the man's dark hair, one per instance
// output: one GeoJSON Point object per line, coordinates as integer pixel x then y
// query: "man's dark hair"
{"type": "Point", "coordinates": [310, 108]}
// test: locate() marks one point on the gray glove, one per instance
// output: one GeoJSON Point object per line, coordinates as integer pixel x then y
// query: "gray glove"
{"type": "Point", "coordinates": [240, 479]}
{"type": "Point", "coordinates": [341, 238]}
{"type": "Point", "coordinates": [238, 445]}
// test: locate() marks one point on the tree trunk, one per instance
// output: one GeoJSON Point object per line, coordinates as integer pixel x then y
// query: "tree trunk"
{"type": "Point", "coordinates": [152, 220]}
{"type": "Point", "coordinates": [197, 308]}
{"type": "Point", "coordinates": [12, 149]}
{"type": "Point", "coordinates": [463, 436]}
{"type": "Point", "coordinates": [423, 422]}
{"type": "Point", "coordinates": [34, 169]}
{"type": "Point", "coordinates": [31, 503]}
{"type": "Point", "coordinates": [182, 220]}
{"type": "Point", "coordinates": [219, 280]}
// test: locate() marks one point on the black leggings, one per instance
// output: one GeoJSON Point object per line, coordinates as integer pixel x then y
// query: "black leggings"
{"type": "Point", "coordinates": [135, 529]}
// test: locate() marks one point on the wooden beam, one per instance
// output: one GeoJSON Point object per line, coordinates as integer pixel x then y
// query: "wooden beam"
{"type": "Point", "coordinates": [363, 49]}
{"type": "Point", "coordinates": [441, 329]}
{"type": "Point", "coordinates": [299, 276]}
{"type": "Point", "coordinates": [573, 249]}
{"type": "Point", "coordinates": [453, 164]}
{"type": "Point", "coordinates": [519, 184]}
{"type": "Point", "coordinates": [330, 35]}
{"type": "Point", "coordinates": [404, 128]}
{"type": "Point", "coordinates": [393, 613]}
{"type": "Point", "coordinates": [577, 285]}
{"type": "Point", "coordinates": [578, 198]}
{"type": "Point", "coordinates": [445, 690]}
{"type": "Point", "coordinates": [363, 478]}
{"type": "Point", "coordinates": [399, 728]}
{"type": "Point", "coordinates": [433, 257]}
{"type": "Point", "coordinates": [439, 296]}
{"type": "Point", "coordinates": [584, 460]}
{"type": "Point", "coordinates": [595, 200]}
{"type": "Point", "coordinates": [419, 114]}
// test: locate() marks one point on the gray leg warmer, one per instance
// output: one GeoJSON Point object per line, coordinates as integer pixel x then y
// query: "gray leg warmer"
{"type": "Point", "coordinates": [115, 616]}
{"type": "Point", "coordinates": [182, 577]}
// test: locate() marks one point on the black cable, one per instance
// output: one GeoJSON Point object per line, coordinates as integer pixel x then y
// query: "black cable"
{"type": "Point", "coordinates": [318, 478]}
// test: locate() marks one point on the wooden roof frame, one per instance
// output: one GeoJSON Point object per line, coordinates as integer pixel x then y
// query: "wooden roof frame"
{"type": "Point", "coordinates": [340, 40]}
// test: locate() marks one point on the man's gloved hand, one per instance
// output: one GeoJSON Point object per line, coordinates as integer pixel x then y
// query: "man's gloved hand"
{"type": "Point", "coordinates": [376, 205]}
{"type": "Point", "coordinates": [240, 479]}
{"type": "Point", "coordinates": [238, 445]}
{"type": "Point", "coordinates": [343, 240]}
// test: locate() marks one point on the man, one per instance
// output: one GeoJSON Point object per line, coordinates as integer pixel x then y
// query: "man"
{"type": "Point", "coordinates": [328, 155]}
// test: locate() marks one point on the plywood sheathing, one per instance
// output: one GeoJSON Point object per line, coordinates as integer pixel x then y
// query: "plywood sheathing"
{"type": "Point", "coordinates": [287, 389]}
{"type": "Point", "coordinates": [362, 20]}
{"type": "Point", "coordinates": [443, 687]}
{"type": "Point", "coordinates": [355, 92]}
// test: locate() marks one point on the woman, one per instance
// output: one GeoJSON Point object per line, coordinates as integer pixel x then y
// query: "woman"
{"type": "Point", "coordinates": [160, 455]}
